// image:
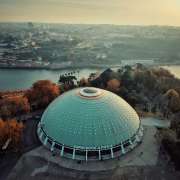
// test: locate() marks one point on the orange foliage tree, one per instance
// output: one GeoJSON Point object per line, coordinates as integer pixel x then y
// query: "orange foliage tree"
{"type": "Point", "coordinates": [10, 130]}
{"type": "Point", "coordinates": [42, 93]}
{"type": "Point", "coordinates": [174, 100]}
{"type": "Point", "coordinates": [113, 85]}
{"type": "Point", "coordinates": [14, 106]}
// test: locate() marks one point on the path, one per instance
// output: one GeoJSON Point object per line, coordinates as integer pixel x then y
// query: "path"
{"type": "Point", "coordinates": [159, 123]}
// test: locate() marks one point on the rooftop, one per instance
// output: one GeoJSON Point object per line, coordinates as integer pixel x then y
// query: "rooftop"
{"type": "Point", "coordinates": [89, 119]}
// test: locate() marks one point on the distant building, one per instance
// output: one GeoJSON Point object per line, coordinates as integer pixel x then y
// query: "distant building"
{"type": "Point", "coordinates": [135, 61]}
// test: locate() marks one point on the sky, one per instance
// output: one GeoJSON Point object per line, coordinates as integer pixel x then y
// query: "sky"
{"type": "Point", "coordinates": [126, 12]}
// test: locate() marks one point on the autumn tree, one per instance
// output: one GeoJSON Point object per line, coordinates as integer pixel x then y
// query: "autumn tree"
{"type": "Point", "coordinates": [14, 106]}
{"type": "Point", "coordinates": [10, 134]}
{"type": "Point", "coordinates": [161, 72]}
{"type": "Point", "coordinates": [113, 85]}
{"type": "Point", "coordinates": [42, 93]}
{"type": "Point", "coordinates": [174, 100]}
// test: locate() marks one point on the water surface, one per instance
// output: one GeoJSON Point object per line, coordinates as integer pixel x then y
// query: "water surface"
{"type": "Point", "coordinates": [14, 79]}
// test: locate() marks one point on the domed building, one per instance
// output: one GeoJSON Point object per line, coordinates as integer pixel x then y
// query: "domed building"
{"type": "Point", "coordinates": [90, 124]}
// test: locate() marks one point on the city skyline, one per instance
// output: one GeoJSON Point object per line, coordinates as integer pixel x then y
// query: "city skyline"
{"type": "Point", "coordinates": [128, 12]}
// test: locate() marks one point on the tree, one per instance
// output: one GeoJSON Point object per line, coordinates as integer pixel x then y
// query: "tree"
{"type": "Point", "coordinates": [127, 76]}
{"type": "Point", "coordinates": [113, 85]}
{"type": "Point", "coordinates": [172, 93]}
{"type": "Point", "coordinates": [174, 100]}
{"type": "Point", "coordinates": [10, 130]}
{"type": "Point", "coordinates": [172, 146]}
{"type": "Point", "coordinates": [123, 92]}
{"type": "Point", "coordinates": [161, 72]}
{"type": "Point", "coordinates": [42, 93]}
{"type": "Point", "coordinates": [14, 106]}
{"type": "Point", "coordinates": [83, 82]}
{"type": "Point", "coordinates": [140, 66]}
{"type": "Point", "coordinates": [64, 79]}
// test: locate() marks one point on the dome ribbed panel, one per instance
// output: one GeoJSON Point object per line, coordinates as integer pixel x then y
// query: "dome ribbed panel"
{"type": "Point", "coordinates": [101, 122]}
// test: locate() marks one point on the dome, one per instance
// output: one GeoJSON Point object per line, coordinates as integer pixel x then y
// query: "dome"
{"type": "Point", "coordinates": [90, 123]}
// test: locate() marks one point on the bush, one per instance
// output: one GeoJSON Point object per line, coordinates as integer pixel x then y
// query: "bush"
{"type": "Point", "coordinates": [172, 146]}
{"type": "Point", "coordinates": [11, 131]}
{"type": "Point", "coordinates": [14, 106]}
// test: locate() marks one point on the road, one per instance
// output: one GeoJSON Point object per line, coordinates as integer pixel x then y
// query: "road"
{"type": "Point", "coordinates": [159, 123]}
{"type": "Point", "coordinates": [30, 139]}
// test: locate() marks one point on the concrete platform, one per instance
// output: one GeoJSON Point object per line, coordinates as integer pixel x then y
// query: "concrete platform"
{"type": "Point", "coordinates": [40, 162]}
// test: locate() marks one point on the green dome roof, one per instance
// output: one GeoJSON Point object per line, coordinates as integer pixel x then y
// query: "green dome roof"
{"type": "Point", "coordinates": [90, 118]}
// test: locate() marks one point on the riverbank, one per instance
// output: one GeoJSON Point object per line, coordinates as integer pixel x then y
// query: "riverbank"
{"type": "Point", "coordinates": [77, 66]}
{"type": "Point", "coordinates": [17, 79]}
{"type": "Point", "coordinates": [58, 67]}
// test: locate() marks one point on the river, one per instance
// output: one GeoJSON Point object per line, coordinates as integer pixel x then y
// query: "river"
{"type": "Point", "coordinates": [16, 79]}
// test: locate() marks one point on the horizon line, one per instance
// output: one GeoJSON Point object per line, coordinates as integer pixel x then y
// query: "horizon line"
{"type": "Point", "coordinates": [69, 23]}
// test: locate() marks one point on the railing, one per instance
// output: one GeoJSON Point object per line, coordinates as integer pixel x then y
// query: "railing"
{"type": "Point", "coordinates": [82, 154]}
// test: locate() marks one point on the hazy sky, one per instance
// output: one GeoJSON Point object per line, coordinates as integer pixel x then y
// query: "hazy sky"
{"type": "Point", "coordinates": [142, 12]}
